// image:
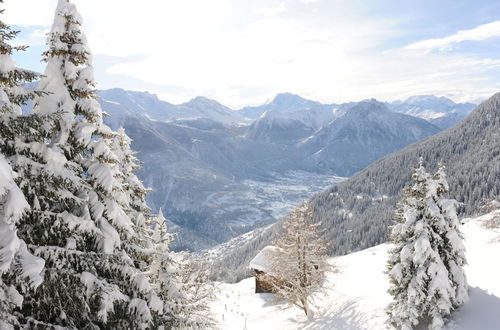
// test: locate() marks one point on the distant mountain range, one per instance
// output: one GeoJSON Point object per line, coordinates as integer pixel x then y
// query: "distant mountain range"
{"type": "Point", "coordinates": [218, 172]}
{"type": "Point", "coordinates": [146, 104]}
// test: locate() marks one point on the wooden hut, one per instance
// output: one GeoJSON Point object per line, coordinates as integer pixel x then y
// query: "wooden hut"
{"type": "Point", "coordinates": [262, 266]}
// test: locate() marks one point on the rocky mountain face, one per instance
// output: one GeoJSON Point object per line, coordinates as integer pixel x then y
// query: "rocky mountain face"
{"type": "Point", "coordinates": [217, 173]}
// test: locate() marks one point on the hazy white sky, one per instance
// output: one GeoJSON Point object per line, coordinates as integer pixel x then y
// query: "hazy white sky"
{"type": "Point", "coordinates": [244, 52]}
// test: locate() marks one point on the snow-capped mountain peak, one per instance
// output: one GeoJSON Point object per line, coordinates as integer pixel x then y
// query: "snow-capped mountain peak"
{"type": "Point", "coordinates": [290, 101]}
{"type": "Point", "coordinates": [430, 101]}
{"type": "Point", "coordinates": [440, 111]}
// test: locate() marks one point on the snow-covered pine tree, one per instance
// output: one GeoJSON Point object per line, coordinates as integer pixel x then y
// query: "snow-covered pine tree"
{"type": "Point", "coordinates": [133, 199]}
{"type": "Point", "coordinates": [20, 271]}
{"type": "Point", "coordinates": [453, 250]}
{"type": "Point", "coordinates": [195, 273]}
{"type": "Point", "coordinates": [78, 221]}
{"type": "Point", "coordinates": [181, 284]}
{"type": "Point", "coordinates": [17, 264]}
{"type": "Point", "coordinates": [299, 269]}
{"type": "Point", "coordinates": [164, 276]}
{"type": "Point", "coordinates": [421, 280]}
{"type": "Point", "coordinates": [12, 78]}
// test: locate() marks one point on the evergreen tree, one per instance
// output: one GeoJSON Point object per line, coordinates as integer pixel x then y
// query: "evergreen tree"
{"type": "Point", "coordinates": [78, 221]}
{"type": "Point", "coordinates": [181, 281]}
{"type": "Point", "coordinates": [195, 273]}
{"type": "Point", "coordinates": [132, 199]}
{"type": "Point", "coordinates": [424, 267]}
{"type": "Point", "coordinates": [17, 264]}
{"type": "Point", "coordinates": [76, 203]}
{"type": "Point", "coordinates": [300, 267]}
{"type": "Point", "coordinates": [453, 249]}
{"type": "Point", "coordinates": [164, 276]}
{"type": "Point", "coordinates": [20, 270]}
{"type": "Point", "coordinates": [12, 78]}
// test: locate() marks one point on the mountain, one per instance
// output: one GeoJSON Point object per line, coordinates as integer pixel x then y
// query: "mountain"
{"type": "Point", "coordinates": [276, 127]}
{"type": "Point", "coordinates": [217, 176]}
{"type": "Point", "coordinates": [216, 180]}
{"type": "Point", "coordinates": [212, 181]}
{"type": "Point", "coordinates": [440, 111]}
{"type": "Point", "coordinates": [202, 107]}
{"type": "Point", "coordinates": [366, 132]}
{"type": "Point", "coordinates": [313, 114]}
{"type": "Point", "coordinates": [357, 213]}
{"type": "Point", "coordinates": [144, 103]}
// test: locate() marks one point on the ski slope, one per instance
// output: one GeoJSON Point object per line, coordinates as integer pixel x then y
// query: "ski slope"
{"type": "Point", "coordinates": [355, 295]}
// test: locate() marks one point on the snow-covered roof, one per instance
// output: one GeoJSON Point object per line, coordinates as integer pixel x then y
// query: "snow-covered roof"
{"type": "Point", "coordinates": [262, 261]}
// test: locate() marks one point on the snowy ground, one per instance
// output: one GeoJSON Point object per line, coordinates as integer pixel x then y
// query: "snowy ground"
{"type": "Point", "coordinates": [355, 296]}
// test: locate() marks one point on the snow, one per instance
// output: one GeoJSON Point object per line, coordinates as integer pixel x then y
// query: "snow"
{"type": "Point", "coordinates": [9, 245]}
{"type": "Point", "coordinates": [13, 207]}
{"type": "Point", "coordinates": [355, 294]}
{"type": "Point", "coordinates": [263, 258]}
{"type": "Point", "coordinates": [110, 239]}
{"type": "Point", "coordinates": [14, 296]}
{"type": "Point", "coordinates": [140, 308]}
{"type": "Point", "coordinates": [7, 64]}
{"type": "Point", "coordinates": [31, 266]}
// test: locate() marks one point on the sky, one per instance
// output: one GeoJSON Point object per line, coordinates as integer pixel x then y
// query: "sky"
{"type": "Point", "coordinates": [242, 53]}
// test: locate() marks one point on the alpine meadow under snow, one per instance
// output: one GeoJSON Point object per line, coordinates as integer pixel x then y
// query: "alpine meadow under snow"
{"type": "Point", "coordinates": [355, 294]}
{"type": "Point", "coordinates": [360, 215]}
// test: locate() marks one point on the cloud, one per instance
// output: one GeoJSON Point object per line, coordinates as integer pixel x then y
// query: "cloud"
{"type": "Point", "coordinates": [227, 50]}
{"type": "Point", "coordinates": [29, 13]}
{"type": "Point", "coordinates": [272, 11]}
{"type": "Point", "coordinates": [482, 32]}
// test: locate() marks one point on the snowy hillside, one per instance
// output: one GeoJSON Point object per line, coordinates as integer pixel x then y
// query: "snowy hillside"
{"type": "Point", "coordinates": [355, 295]}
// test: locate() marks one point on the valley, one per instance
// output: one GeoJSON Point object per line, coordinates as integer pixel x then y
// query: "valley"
{"type": "Point", "coordinates": [218, 173]}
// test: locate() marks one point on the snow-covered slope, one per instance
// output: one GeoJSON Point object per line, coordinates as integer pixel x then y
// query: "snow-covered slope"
{"type": "Point", "coordinates": [355, 295]}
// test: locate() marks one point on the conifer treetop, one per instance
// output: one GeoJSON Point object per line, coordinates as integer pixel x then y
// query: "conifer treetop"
{"type": "Point", "coordinates": [69, 80]}
{"type": "Point", "coordinates": [12, 78]}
